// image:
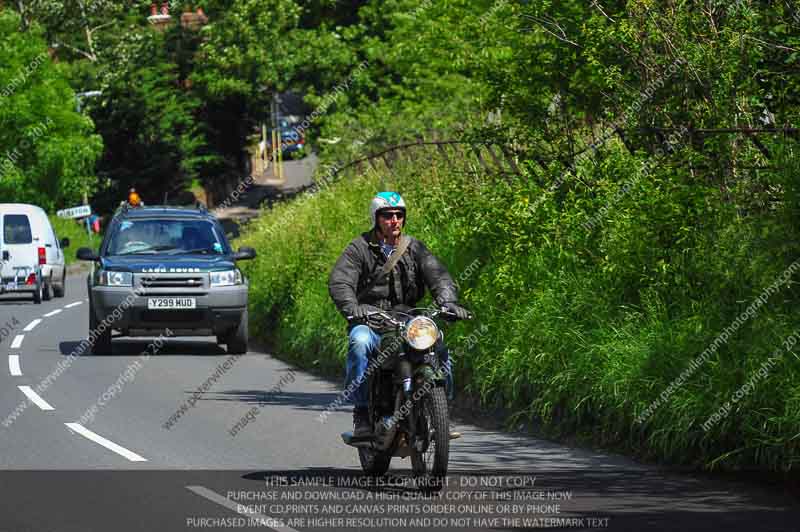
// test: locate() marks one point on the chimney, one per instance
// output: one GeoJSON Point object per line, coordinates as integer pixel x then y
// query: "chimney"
{"type": "Point", "coordinates": [160, 18]}
{"type": "Point", "coordinates": [194, 20]}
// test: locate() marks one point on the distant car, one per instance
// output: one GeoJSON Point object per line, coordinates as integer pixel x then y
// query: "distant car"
{"type": "Point", "coordinates": [31, 256]}
{"type": "Point", "coordinates": [164, 268]}
{"type": "Point", "coordinates": [292, 137]}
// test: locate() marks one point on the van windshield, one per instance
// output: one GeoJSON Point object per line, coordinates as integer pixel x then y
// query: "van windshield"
{"type": "Point", "coordinates": [16, 229]}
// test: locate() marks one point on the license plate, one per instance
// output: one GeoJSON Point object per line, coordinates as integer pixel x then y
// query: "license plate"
{"type": "Point", "coordinates": [159, 303]}
{"type": "Point", "coordinates": [11, 286]}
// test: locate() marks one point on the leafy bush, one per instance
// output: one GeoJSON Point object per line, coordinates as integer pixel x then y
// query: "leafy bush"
{"type": "Point", "coordinates": [78, 237]}
{"type": "Point", "coordinates": [579, 328]}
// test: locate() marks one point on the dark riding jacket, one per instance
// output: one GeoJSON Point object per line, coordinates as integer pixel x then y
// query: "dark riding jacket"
{"type": "Point", "coordinates": [363, 259]}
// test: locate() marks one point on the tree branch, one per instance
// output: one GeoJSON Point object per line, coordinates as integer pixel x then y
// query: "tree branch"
{"type": "Point", "coordinates": [542, 24]}
{"type": "Point", "coordinates": [780, 47]}
{"type": "Point", "coordinates": [76, 50]}
{"type": "Point", "coordinates": [600, 8]}
{"type": "Point", "coordinates": [102, 26]}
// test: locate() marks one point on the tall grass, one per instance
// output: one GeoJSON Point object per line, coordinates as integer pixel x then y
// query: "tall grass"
{"type": "Point", "coordinates": [78, 237]}
{"type": "Point", "coordinates": [584, 328]}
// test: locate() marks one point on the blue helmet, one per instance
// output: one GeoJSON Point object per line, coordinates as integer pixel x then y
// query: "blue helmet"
{"type": "Point", "coordinates": [385, 200]}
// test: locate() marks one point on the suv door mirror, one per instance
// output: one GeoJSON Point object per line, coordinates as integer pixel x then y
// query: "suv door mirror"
{"type": "Point", "coordinates": [245, 253]}
{"type": "Point", "coordinates": [87, 254]}
{"type": "Point", "coordinates": [64, 243]}
{"type": "Point", "coordinates": [6, 256]}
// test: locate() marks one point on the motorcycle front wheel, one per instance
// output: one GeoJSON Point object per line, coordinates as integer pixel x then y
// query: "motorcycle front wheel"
{"type": "Point", "coordinates": [431, 461]}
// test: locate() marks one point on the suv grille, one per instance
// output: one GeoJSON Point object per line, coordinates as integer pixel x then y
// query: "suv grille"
{"type": "Point", "coordinates": [173, 282]}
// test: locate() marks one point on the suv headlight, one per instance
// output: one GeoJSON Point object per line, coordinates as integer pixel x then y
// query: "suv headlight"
{"type": "Point", "coordinates": [226, 278]}
{"type": "Point", "coordinates": [108, 278]}
{"type": "Point", "coordinates": [421, 333]}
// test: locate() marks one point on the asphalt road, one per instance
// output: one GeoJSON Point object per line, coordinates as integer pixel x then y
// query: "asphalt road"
{"type": "Point", "coordinates": [94, 450]}
{"type": "Point", "coordinates": [297, 175]}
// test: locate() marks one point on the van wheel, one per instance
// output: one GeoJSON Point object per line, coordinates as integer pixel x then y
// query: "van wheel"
{"type": "Point", "coordinates": [46, 295]}
{"type": "Point", "coordinates": [237, 338]}
{"type": "Point", "coordinates": [37, 295]}
{"type": "Point", "coordinates": [58, 291]}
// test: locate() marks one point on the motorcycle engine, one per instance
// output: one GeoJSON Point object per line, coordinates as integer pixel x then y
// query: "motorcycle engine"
{"type": "Point", "coordinates": [384, 432]}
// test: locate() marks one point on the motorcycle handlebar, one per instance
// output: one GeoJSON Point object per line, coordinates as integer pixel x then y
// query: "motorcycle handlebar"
{"type": "Point", "coordinates": [450, 316]}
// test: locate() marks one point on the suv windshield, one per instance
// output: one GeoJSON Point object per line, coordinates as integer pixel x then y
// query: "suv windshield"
{"type": "Point", "coordinates": [135, 237]}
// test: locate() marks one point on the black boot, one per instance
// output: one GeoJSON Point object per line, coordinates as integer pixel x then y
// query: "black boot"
{"type": "Point", "coordinates": [361, 424]}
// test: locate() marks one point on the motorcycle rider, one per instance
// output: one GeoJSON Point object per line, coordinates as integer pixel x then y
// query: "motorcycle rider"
{"type": "Point", "coordinates": [357, 286]}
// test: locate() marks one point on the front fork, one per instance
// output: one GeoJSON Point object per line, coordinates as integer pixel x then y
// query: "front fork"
{"type": "Point", "coordinates": [414, 388]}
{"type": "Point", "coordinates": [411, 385]}
{"type": "Point", "coordinates": [405, 411]}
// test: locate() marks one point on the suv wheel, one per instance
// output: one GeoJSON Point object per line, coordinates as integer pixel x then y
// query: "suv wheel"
{"type": "Point", "coordinates": [102, 343]}
{"type": "Point", "coordinates": [237, 338]}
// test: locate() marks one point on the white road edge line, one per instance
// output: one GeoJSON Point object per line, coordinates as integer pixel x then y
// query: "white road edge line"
{"type": "Point", "coordinates": [34, 398]}
{"type": "Point", "coordinates": [257, 519]}
{"type": "Point", "coordinates": [53, 313]}
{"type": "Point", "coordinates": [108, 444]}
{"type": "Point", "coordinates": [29, 327]}
{"type": "Point", "coordinates": [13, 365]}
{"type": "Point", "coordinates": [17, 341]}
{"type": "Point", "coordinates": [73, 304]}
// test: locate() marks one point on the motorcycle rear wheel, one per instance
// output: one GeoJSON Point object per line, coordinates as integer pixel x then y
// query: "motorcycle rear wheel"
{"type": "Point", "coordinates": [432, 461]}
{"type": "Point", "coordinates": [374, 463]}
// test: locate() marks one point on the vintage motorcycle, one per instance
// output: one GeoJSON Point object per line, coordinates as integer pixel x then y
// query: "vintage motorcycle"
{"type": "Point", "coordinates": [407, 400]}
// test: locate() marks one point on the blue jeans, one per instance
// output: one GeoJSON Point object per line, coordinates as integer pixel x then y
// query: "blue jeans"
{"type": "Point", "coordinates": [364, 345]}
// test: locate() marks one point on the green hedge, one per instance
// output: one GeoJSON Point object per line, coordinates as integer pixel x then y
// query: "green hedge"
{"type": "Point", "coordinates": [78, 237]}
{"type": "Point", "coordinates": [590, 301]}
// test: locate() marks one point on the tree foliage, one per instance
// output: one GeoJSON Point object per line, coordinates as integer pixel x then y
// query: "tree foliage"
{"type": "Point", "coordinates": [50, 149]}
{"type": "Point", "coordinates": [148, 119]}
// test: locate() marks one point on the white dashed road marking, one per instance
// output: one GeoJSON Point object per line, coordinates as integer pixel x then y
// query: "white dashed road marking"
{"type": "Point", "coordinates": [34, 398]}
{"type": "Point", "coordinates": [17, 341]}
{"type": "Point", "coordinates": [13, 365]}
{"type": "Point", "coordinates": [108, 444]}
{"type": "Point", "coordinates": [258, 519]}
{"type": "Point", "coordinates": [29, 327]}
{"type": "Point", "coordinates": [53, 313]}
{"type": "Point", "coordinates": [73, 304]}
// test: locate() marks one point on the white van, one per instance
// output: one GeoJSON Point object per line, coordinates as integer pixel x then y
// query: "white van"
{"type": "Point", "coordinates": [31, 257]}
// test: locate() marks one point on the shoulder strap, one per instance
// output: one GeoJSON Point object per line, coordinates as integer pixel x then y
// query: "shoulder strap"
{"type": "Point", "coordinates": [388, 265]}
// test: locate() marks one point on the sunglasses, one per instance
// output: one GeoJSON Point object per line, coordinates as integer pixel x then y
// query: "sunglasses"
{"type": "Point", "coordinates": [389, 214]}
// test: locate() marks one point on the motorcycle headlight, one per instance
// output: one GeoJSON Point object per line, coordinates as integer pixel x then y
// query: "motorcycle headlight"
{"type": "Point", "coordinates": [226, 278]}
{"type": "Point", "coordinates": [108, 278]}
{"type": "Point", "coordinates": [421, 333]}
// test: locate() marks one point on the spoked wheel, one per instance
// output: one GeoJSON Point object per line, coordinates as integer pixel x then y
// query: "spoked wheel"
{"type": "Point", "coordinates": [374, 463]}
{"type": "Point", "coordinates": [430, 462]}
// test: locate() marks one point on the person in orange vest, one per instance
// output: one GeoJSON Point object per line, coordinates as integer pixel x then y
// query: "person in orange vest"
{"type": "Point", "coordinates": [133, 198]}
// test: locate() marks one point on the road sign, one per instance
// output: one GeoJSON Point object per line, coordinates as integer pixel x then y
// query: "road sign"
{"type": "Point", "coordinates": [75, 212]}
